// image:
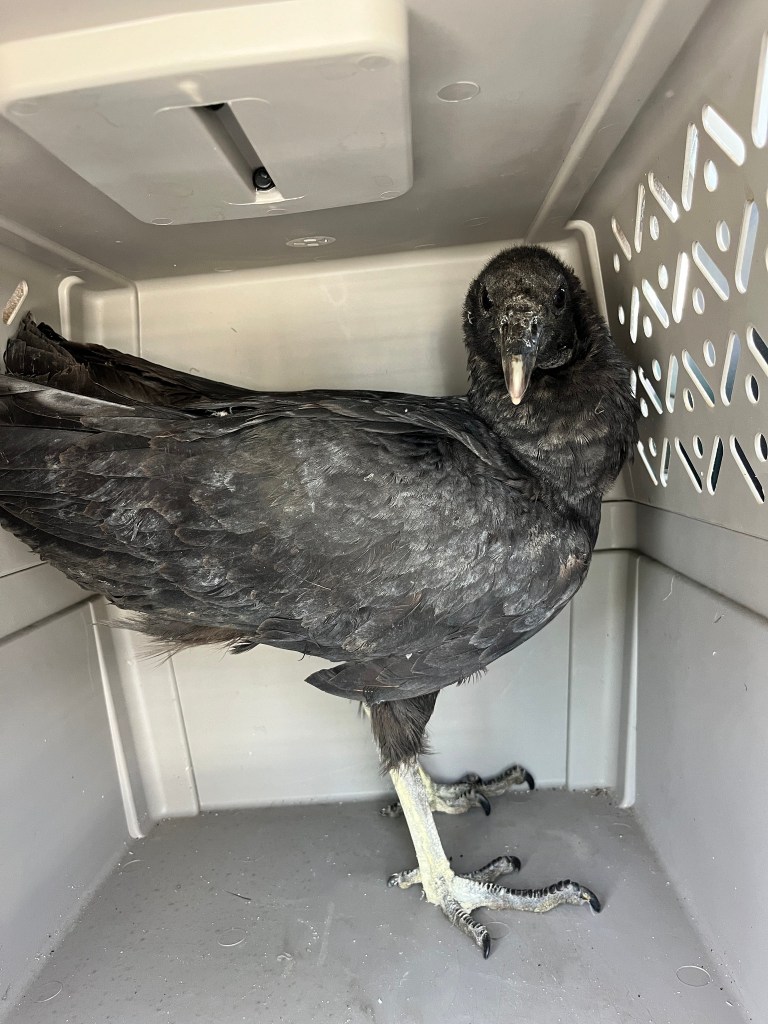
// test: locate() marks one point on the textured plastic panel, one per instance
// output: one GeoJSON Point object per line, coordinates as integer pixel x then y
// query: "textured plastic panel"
{"type": "Point", "coordinates": [62, 815]}
{"type": "Point", "coordinates": [702, 761]}
{"type": "Point", "coordinates": [684, 248]}
{"type": "Point", "coordinates": [316, 91]}
{"type": "Point", "coordinates": [282, 915]}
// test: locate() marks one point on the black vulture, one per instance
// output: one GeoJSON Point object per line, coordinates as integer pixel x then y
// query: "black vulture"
{"type": "Point", "coordinates": [408, 540]}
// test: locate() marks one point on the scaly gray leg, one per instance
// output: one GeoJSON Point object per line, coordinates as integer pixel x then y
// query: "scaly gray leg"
{"type": "Point", "coordinates": [458, 895]}
{"type": "Point", "coordinates": [469, 791]}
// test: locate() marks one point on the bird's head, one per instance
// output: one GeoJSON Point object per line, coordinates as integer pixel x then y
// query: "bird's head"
{"type": "Point", "coordinates": [519, 315]}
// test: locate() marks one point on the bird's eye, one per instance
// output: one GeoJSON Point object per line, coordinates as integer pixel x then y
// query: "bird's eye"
{"type": "Point", "coordinates": [486, 300]}
{"type": "Point", "coordinates": [559, 297]}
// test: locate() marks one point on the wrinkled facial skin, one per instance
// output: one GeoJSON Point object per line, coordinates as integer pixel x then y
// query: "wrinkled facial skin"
{"type": "Point", "coordinates": [520, 312]}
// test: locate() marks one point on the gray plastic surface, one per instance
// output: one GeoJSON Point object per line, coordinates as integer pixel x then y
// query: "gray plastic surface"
{"type": "Point", "coordinates": [283, 915]}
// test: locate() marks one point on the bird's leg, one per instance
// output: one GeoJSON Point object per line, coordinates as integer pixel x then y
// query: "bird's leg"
{"type": "Point", "coordinates": [458, 895]}
{"type": "Point", "coordinates": [469, 791]}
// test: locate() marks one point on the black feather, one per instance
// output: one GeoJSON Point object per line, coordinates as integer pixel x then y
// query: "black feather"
{"type": "Point", "coordinates": [412, 540]}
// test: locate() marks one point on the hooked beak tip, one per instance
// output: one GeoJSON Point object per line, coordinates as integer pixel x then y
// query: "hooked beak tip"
{"type": "Point", "coordinates": [516, 376]}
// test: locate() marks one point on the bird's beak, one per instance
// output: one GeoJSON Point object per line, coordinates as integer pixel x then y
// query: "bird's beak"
{"type": "Point", "coordinates": [519, 350]}
{"type": "Point", "coordinates": [517, 374]}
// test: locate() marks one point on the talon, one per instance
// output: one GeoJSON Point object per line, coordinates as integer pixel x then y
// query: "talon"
{"type": "Point", "coordinates": [528, 778]}
{"type": "Point", "coordinates": [516, 863]}
{"type": "Point", "coordinates": [484, 802]}
{"type": "Point", "coordinates": [594, 902]}
{"type": "Point", "coordinates": [486, 946]}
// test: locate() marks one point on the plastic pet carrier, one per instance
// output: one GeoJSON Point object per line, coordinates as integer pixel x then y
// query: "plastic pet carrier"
{"type": "Point", "coordinates": [296, 194]}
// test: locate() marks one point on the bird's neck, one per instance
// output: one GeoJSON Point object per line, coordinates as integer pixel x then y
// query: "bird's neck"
{"type": "Point", "coordinates": [572, 431]}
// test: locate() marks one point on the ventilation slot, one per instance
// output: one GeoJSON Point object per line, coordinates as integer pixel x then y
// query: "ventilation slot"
{"type": "Point", "coordinates": [760, 115]}
{"type": "Point", "coordinates": [710, 270]}
{"type": "Point", "coordinates": [689, 166]}
{"type": "Point", "coordinates": [698, 378]}
{"type": "Point", "coordinates": [746, 248]}
{"type": "Point", "coordinates": [731, 363]}
{"type": "Point", "coordinates": [639, 217]}
{"type": "Point", "coordinates": [746, 471]}
{"type": "Point", "coordinates": [655, 303]}
{"type": "Point", "coordinates": [634, 312]}
{"type": "Point", "coordinates": [726, 137]}
{"type": "Point", "coordinates": [758, 348]}
{"type": "Point", "coordinates": [714, 466]}
{"type": "Point", "coordinates": [680, 289]}
{"type": "Point", "coordinates": [646, 463]}
{"type": "Point", "coordinates": [666, 457]}
{"type": "Point", "coordinates": [690, 469]}
{"type": "Point", "coordinates": [663, 198]}
{"type": "Point", "coordinates": [671, 383]}
{"type": "Point", "coordinates": [621, 238]}
{"type": "Point", "coordinates": [650, 390]}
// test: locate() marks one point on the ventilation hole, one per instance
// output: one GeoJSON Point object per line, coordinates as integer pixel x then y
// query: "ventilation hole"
{"type": "Point", "coordinates": [650, 390]}
{"type": "Point", "coordinates": [671, 383]}
{"type": "Point", "coordinates": [647, 326]}
{"type": "Point", "coordinates": [710, 270]}
{"type": "Point", "coordinates": [656, 369]}
{"type": "Point", "coordinates": [746, 249]}
{"type": "Point", "coordinates": [710, 356]}
{"type": "Point", "coordinates": [653, 227]}
{"type": "Point", "coordinates": [711, 176]}
{"type": "Point", "coordinates": [646, 463]}
{"type": "Point", "coordinates": [634, 310]}
{"type": "Point", "coordinates": [639, 217]}
{"type": "Point", "coordinates": [15, 302]}
{"type": "Point", "coordinates": [753, 389]}
{"type": "Point", "coordinates": [664, 199]}
{"type": "Point", "coordinates": [644, 407]}
{"type": "Point", "coordinates": [731, 362]}
{"type": "Point", "coordinates": [698, 300]}
{"type": "Point", "coordinates": [655, 303]}
{"type": "Point", "coordinates": [666, 457]}
{"type": "Point", "coordinates": [616, 262]}
{"type": "Point", "coordinates": [698, 378]}
{"type": "Point", "coordinates": [689, 165]}
{"type": "Point", "coordinates": [622, 315]}
{"type": "Point", "coordinates": [310, 241]}
{"type": "Point", "coordinates": [713, 473]}
{"type": "Point", "coordinates": [698, 446]}
{"type": "Point", "coordinates": [761, 447]}
{"type": "Point", "coordinates": [723, 236]}
{"type": "Point", "coordinates": [688, 399]}
{"type": "Point", "coordinates": [758, 348]}
{"type": "Point", "coordinates": [621, 238]}
{"type": "Point", "coordinates": [746, 471]}
{"type": "Point", "coordinates": [691, 470]}
{"type": "Point", "coordinates": [680, 290]}
{"type": "Point", "coordinates": [633, 383]}
{"type": "Point", "coordinates": [726, 137]}
{"type": "Point", "coordinates": [663, 276]}
{"type": "Point", "coordinates": [760, 112]}
{"type": "Point", "coordinates": [651, 446]}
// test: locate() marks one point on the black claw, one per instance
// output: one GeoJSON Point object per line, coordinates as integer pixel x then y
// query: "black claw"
{"type": "Point", "coordinates": [484, 802]}
{"type": "Point", "coordinates": [486, 946]}
{"type": "Point", "coordinates": [529, 779]}
{"type": "Point", "coordinates": [594, 902]}
{"type": "Point", "coordinates": [516, 863]}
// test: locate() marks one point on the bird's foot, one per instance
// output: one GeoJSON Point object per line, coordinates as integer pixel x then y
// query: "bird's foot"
{"type": "Point", "coordinates": [469, 791]}
{"type": "Point", "coordinates": [459, 895]}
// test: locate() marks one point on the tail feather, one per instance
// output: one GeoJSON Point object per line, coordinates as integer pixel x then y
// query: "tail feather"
{"type": "Point", "coordinates": [38, 354]}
